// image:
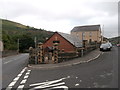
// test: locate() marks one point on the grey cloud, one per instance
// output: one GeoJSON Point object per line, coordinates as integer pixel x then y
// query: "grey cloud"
{"type": "Point", "coordinates": [16, 9]}
{"type": "Point", "coordinates": [110, 7]}
{"type": "Point", "coordinates": [73, 15]}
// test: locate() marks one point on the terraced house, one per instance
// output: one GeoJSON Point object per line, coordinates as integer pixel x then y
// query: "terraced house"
{"type": "Point", "coordinates": [90, 33]}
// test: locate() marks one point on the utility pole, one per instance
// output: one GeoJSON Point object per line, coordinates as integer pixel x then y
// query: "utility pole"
{"type": "Point", "coordinates": [35, 50]}
{"type": "Point", "coordinates": [82, 44]}
{"type": "Point", "coordinates": [102, 33]}
{"type": "Point", "coordinates": [18, 45]}
{"type": "Point", "coordinates": [35, 41]}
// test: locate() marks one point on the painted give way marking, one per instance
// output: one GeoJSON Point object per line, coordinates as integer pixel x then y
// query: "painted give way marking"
{"type": "Point", "coordinates": [50, 85]}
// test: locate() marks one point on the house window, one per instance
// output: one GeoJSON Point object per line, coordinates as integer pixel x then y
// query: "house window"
{"type": "Point", "coordinates": [90, 34]}
{"type": "Point", "coordinates": [56, 41]}
{"type": "Point", "coordinates": [83, 34]}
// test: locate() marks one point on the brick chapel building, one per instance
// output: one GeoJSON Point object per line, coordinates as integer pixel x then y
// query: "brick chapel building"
{"type": "Point", "coordinates": [66, 42]}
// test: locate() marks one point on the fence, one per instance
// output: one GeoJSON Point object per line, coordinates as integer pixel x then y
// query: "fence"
{"type": "Point", "coordinates": [68, 56]}
{"type": "Point", "coordinates": [41, 56]}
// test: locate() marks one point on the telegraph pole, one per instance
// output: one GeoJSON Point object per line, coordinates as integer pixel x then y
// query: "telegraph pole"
{"type": "Point", "coordinates": [18, 45]}
{"type": "Point", "coordinates": [35, 41]}
{"type": "Point", "coordinates": [82, 44]}
{"type": "Point", "coordinates": [35, 50]}
{"type": "Point", "coordinates": [102, 33]}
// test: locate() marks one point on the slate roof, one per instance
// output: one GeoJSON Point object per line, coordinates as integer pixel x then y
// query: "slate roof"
{"type": "Point", "coordinates": [86, 28]}
{"type": "Point", "coordinates": [72, 39]}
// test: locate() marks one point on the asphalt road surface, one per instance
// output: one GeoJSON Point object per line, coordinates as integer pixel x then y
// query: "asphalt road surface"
{"type": "Point", "coordinates": [11, 66]}
{"type": "Point", "coordinates": [100, 73]}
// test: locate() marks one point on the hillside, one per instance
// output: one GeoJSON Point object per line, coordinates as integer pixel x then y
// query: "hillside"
{"type": "Point", "coordinates": [115, 40]}
{"type": "Point", "coordinates": [14, 28]}
{"type": "Point", "coordinates": [13, 31]}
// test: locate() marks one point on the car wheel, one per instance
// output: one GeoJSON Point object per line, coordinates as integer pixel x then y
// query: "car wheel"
{"type": "Point", "coordinates": [100, 49]}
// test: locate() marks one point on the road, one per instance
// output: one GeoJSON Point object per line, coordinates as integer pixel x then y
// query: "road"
{"type": "Point", "coordinates": [100, 73]}
{"type": "Point", "coordinates": [11, 66]}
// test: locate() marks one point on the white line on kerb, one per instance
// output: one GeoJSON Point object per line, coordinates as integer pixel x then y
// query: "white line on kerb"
{"type": "Point", "coordinates": [15, 79]}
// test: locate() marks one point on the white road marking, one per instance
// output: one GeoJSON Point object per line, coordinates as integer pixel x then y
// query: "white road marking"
{"type": "Point", "coordinates": [12, 59]}
{"type": "Point", "coordinates": [26, 76]}
{"type": "Point", "coordinates": [27, 73]}
{"type": "Point", "coordinates": [77, 84]}
{"type": "Point", "coordinates": [68, 76]}
{"type": "Point", "coordinates": [19, 75]}
{"type": "Point", "coordinates": [102, 53]}
{"type": "Point", "coordinates": [8, 61]}
{"type": "Point", "coordinates": [108, 74]}
{"type": "Point", "coordinates": [10, 86]}
{"type": "Point", "coordinates": [49, 85]}
{"type": "Point", "coordinates": [45, 86]}
{"type": "Point", "coordinates": [20, 87]}
{"type": "Point", "coordinates": [29, 70]}
{"type": "Point", "coordinates": [80, 80]}
{"type": "Point", "coordinates": [23, 81]}
{"type": "Point", "coordinates": [49, 82]}
{"type": "Point", "coordinates": [16, 78]}
{"type": "Point", "coordinates": [76, 77]}
{"type": "Point", "coordinates": [65, 88]}
{"type": "Point", "coordinates": [22, 71]}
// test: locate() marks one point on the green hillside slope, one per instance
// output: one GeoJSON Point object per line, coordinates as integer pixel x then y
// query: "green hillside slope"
{"type": "Point", "coordinates": [115, 40]}
{"type": "Point", "coordinates": [12, 31]}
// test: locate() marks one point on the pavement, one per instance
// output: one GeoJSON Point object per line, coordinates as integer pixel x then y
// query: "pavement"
{"type": "Point", "coordinates": [93, 55]}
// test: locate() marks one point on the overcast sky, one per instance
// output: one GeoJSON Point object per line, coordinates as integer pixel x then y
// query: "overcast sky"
{"type": "Point", "coordinates": [63, 15]}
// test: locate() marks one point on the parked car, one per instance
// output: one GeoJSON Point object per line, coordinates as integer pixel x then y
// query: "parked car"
{"type": "Point", "coordinates": [118, 45]}
{"type": "Point", "coordinates": [110, 44]}
{"type": "Point", "coordinates": [105, 47]}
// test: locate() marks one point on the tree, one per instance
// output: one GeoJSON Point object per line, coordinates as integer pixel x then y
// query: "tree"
{"type": "Point", "coordinates": [25, 42]}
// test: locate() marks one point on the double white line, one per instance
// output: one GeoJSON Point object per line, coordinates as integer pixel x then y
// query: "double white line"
{"type": "Point", "coordinates": [21, 86]}
{"type": "Point", "coordinates": [10, 86]}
